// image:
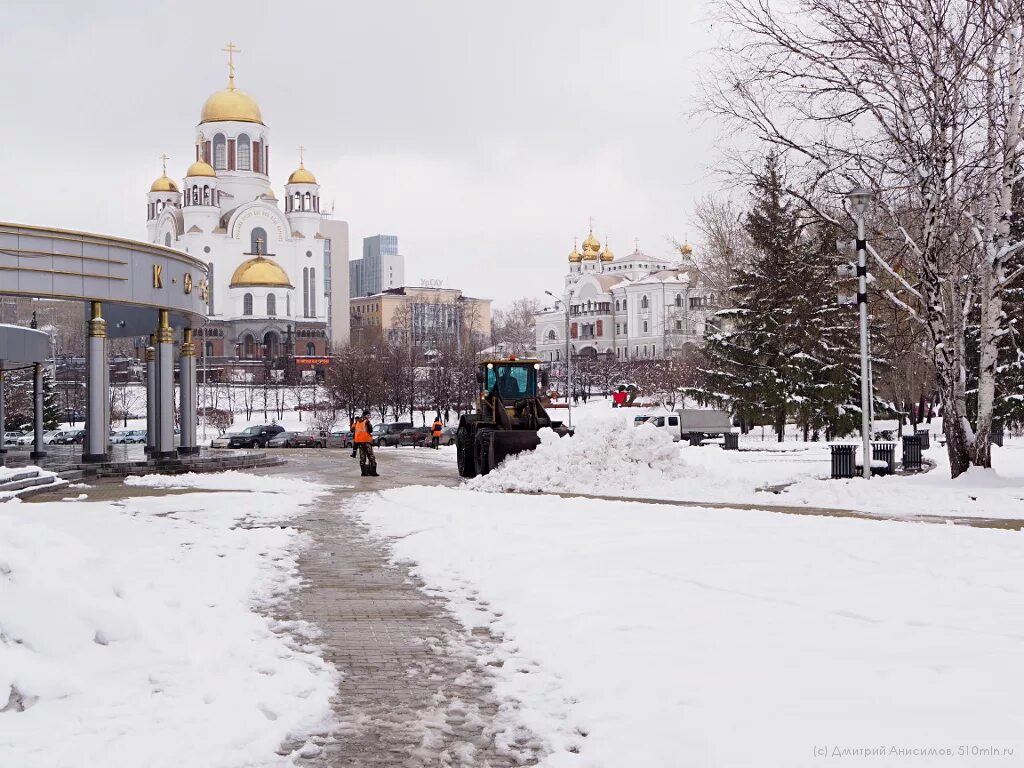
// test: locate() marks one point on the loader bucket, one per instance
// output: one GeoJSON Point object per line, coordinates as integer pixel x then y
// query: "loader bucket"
{"type": "Point", "coordinates": [506, 442]}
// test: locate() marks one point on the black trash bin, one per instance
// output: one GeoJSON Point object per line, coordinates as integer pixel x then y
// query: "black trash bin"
{"type": "Point", "coordinates": [844, 460]}
{"type": "Point", "coordinates": [926, 439]}
{"type": "Point", "coordinates": [696, 437]}
{"type": "Point", "coordinates": [884, 452]}
{"type": "Point", "coordinates": [731, 441]}
{"type": "Point", "coordinates": [997, 435]}
{"type": "Point", "coordinates": [911, 453]}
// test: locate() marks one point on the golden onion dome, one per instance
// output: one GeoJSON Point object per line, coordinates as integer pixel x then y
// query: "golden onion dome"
{"type": "Point", "coordinates": [231, 104]}
{"type": "Point", "coordinates": [164, 184]}
{"type": "Point", "coordinates": [302, 175]}
{"type": "Point", "coordinates": [260, 271]}
{"type": "Point", "coordinates": [686, 249]}
{"type": "Point", "coordinates": [575, 257]}
{"type": "Point", "coordinates": [591, 246]}
{"type": "Point", "coordinates": [200, 168]}
{"type": "Point", "coordinates": [607, 254]}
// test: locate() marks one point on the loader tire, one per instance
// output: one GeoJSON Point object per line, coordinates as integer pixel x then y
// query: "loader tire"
{"type": "Point", "coordinates": [464, 453]}
{"type": "Point", "coordinates": [483, 450]}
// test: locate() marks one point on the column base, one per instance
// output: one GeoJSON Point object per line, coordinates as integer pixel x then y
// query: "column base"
{"type": "Point", "coordinates": [191, 450]}
{"type": "Point", "coordinates": [149, 450]}
{"type": "Point", "coordinates": [37, 455]}
{"type": "Point", "coordinates": [165, 455]}
{"type": "Point", "coordinates": [96, 457]}
{"type": "Point", "coordinates": [3, 451]}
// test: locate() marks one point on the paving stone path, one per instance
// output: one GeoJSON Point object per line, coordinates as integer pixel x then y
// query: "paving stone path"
{"type": "Point", "coordinates": [414, 691]}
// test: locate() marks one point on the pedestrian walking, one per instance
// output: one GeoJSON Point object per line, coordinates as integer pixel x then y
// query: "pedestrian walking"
{"type": "Point", "coordinates": [362, 436]}
{"type": "Point", "coordinates": [352, 429]}
{"type": "Point", "coordinates": [435, 431]}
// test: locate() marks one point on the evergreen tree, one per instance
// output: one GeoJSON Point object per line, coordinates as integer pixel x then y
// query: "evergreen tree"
{"type": "Point", "coordinates": [52, 415]}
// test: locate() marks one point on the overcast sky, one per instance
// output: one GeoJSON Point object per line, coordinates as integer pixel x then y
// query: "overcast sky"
{"type": "Point", "coordinates": [483, 134]}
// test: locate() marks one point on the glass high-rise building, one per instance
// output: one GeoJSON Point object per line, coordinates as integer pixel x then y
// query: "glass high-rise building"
{"type": "Point", "coordinates": [380, 268]}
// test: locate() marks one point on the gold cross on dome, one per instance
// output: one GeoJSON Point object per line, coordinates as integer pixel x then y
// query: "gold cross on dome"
{"type": "Point", "coordinates": [636, 245]}
{"type": "Point", "coordinates": [302, 156]}
{"type": "Point", "coordinates": [231, 50]}
{"type": "Point", "coordinates": [164, 159]}
{"type": "Point", "coordinates": [590, 219]}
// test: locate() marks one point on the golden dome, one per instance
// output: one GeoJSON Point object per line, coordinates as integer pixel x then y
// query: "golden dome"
{"type": "Point", "coordinates": [200, 168]}
{"type": "Point", "coordinates": [591, 246]}
{"type": "Point", "coordinates": [164, 184]}
{"type": "Point", "coordinates": [301, 176]}
{"type": "Point", "coordinates": [607, 255]}
{"type": "Point", "coordinates": [575, 257]}
{"type": "Point", "coordinates": [686, 249]}
{"type": "Point", "coordinates": [231, 104]}
{"type": "Point", "coordinates": [260, 271]}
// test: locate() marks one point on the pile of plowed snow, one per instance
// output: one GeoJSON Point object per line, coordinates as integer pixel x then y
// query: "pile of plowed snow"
{"type": "Point", "coordinates": [605, 458]}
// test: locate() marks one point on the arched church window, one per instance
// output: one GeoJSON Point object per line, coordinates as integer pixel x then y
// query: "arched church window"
{"type": "Point", "coordinates": [247, 304]}
{"type": "Point", "coordinates": [248, 344]}
{"type": "Point", "coordinates": [244, 153]}
{"type": "Point", "coordinates": [195, 195]}
{"type": "Point", "coordinates": [305, 291]}
{"type": "Point", "coordinates": [312, 291]}
{"type": "Point", "coordinates": [167, 239]}
{"type": "Point", "coordinates": [617, 307]}
{"type": "Point", "coordinates": [644, 303]}
{"type": "Point", "coordinates": [310, 348]}
{"type": "Point", "coordinates": [679, 300]}
{"type": "Point", "coordinates": [209, 286]}
{"type": "Point", "coordinates": [206, 195]}
{"type": "Point", "coordinates": [271, 305]}
{"type": "Point", "coordinates": [258, 241]}
{"type": "Point", "coordinates": [159, 206]}
{"type": "Point", "coordinates": [306, 204]}
{"type": "Point", "coordinates": [209, 349]}
{"type": "Point", "coordinates": [220, 152]}
{"type": "Point", "coordinates": [551, 335]}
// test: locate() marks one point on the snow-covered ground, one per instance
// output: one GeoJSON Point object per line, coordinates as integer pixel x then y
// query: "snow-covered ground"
{"type": "Point", "coordinates": [129, 634]}
{"type": "Point", "coordinates": [609, 456]}
{"type": "Point", "coordinates": [646, 635]}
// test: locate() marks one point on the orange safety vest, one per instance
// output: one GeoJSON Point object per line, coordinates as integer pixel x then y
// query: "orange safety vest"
{"type": "Point", "coordinates": [436, 429]}
{"type": "Point", "coordinates": [361, 434]}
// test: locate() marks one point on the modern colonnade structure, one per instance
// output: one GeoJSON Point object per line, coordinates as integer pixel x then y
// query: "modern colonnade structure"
{"type": "Point", "coordinates": [131, 289]}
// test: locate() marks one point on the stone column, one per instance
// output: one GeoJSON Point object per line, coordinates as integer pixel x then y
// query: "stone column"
{"type": "Point", "coordinates": [152, 396]}
{"type": "Point", "coordinates": [39, 450]}
{"type": "Point", "coordinates": [165, 410]}
{"type": "Point", "coordinates": [187, 394]}
{"type": "Point", "coordinates": [97, 389]}
{"type": "Point", "coordinates": [3, 415]}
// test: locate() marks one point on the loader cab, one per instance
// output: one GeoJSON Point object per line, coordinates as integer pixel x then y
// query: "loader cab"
{"type": "Point", "coordinates": [515, 380]}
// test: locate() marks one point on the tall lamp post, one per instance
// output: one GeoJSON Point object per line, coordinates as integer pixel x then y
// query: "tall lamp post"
{"type": "Point", "coordinates": [568, 356]}
{"type": "Point", "coordinates": [859, 200]}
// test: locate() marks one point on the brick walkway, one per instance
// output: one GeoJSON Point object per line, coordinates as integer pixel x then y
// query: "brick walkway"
{"type": "Point", "coordinates": [413, 693]}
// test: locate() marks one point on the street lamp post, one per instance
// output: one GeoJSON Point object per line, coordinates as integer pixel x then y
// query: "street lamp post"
{"type": "Point", "coordinates": [568, 357]}
{"type": "Point", "coordinates": [859, 200]}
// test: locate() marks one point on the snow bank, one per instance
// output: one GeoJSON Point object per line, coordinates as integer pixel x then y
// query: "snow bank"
{"type": "Point", "coordinates": [649, 636]}
{"type": "Point", "coordinates": [602, 457]}
{"type": "Point", "coordinates": [230, 480]}
{"type": "Point", "coordinates": [129, 636]}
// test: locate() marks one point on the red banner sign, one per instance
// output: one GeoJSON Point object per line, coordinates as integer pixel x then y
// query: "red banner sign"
{"type": "Point", "coordinates": [313, 360]}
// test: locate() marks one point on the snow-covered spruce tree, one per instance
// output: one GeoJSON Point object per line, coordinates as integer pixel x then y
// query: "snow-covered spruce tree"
{"type": "Point", "coordinates": [52, 415]}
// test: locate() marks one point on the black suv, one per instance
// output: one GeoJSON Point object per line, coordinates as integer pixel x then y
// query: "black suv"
{"type": "Point", "coordinates": [250, 437]}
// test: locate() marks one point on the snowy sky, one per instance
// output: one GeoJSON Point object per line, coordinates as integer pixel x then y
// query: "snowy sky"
{"type": "Point", "coordinates": [483, 134]}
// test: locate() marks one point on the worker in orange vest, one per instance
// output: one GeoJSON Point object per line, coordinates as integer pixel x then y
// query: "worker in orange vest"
{"type": "Point", "coordinates": [435, 431]}
{"type": "Point", "coordinates": [363, 438]}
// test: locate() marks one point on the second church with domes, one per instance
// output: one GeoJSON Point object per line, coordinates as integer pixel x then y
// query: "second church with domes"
{"type": "Point", "coordinates": [278, 279]}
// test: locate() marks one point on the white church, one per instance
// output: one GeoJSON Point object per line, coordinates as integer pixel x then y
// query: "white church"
{"type": "Point", "coordinates": [628, 307]}
{"type": "Point", "coordinates": [278, 278]}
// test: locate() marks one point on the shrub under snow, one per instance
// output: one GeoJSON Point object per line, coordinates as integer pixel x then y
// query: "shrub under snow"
{"type": "Point", "coordinates": [607, 457]}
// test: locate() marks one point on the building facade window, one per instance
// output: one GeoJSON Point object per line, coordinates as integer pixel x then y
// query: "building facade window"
{"type": "Point", "coordinates": [209, 349]}
{"type": "Point", "coordinates": [312, 291]}
{"type": "Point", "coordinates": [644, 304]}
{"type": "Point", "coordinates": [679, 300]}
{"type": "Point", "coordinates": [305, 291]}
{"type": "Point", "coordinates": [271, 305]}
{"type": "Point", "coordinates": [258, 241]}
{"type": "Point", "coordinates": [167, 239]}
{"type": "Point", "coordinates": [311, 348]}
{"type": "Point", "coordinates": [220, 152]}
{"type": "Point", "coordinates": [645, 328]}
{"type": "Point", "coordinates": [244, 153]}
{"type": "Point", "coordinates": [247, 304]}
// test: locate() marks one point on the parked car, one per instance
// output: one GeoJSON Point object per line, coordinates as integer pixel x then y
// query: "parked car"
{"type": "Point", "coordinates": [128, 436]}
{"type": "Point", "coordinates": [448, 435]}
{"type": "Point", "coordinates": [68, 437]}
{"type": "Point", "coordinates": [29, 438]}
{"type": "Point", "coordinates": [296, 440]}
{"type": "Point", "coordinates": [11, 438]}
{"type": "Point", "coordinates": [250, 437]}
{"type": "Point", "coordinates": [387, 434]}
{"type": "Point", "coordinates": [340, 438]}
{"type": "Point", "coordinates": [414, 436]}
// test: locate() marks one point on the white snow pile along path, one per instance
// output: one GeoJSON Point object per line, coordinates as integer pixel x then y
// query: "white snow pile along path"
{"type": "Point", "coordinates": [129, 633]}
{"type": "Point", "coordinates": [602, 457]}
{"type": "Point", "coordinates": [648, 636]}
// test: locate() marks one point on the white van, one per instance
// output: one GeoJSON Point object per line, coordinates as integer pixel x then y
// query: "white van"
{"type": "Point", "coordinates": [706, 422]}
{"type": "Point", "coordinates": [668, 420]}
